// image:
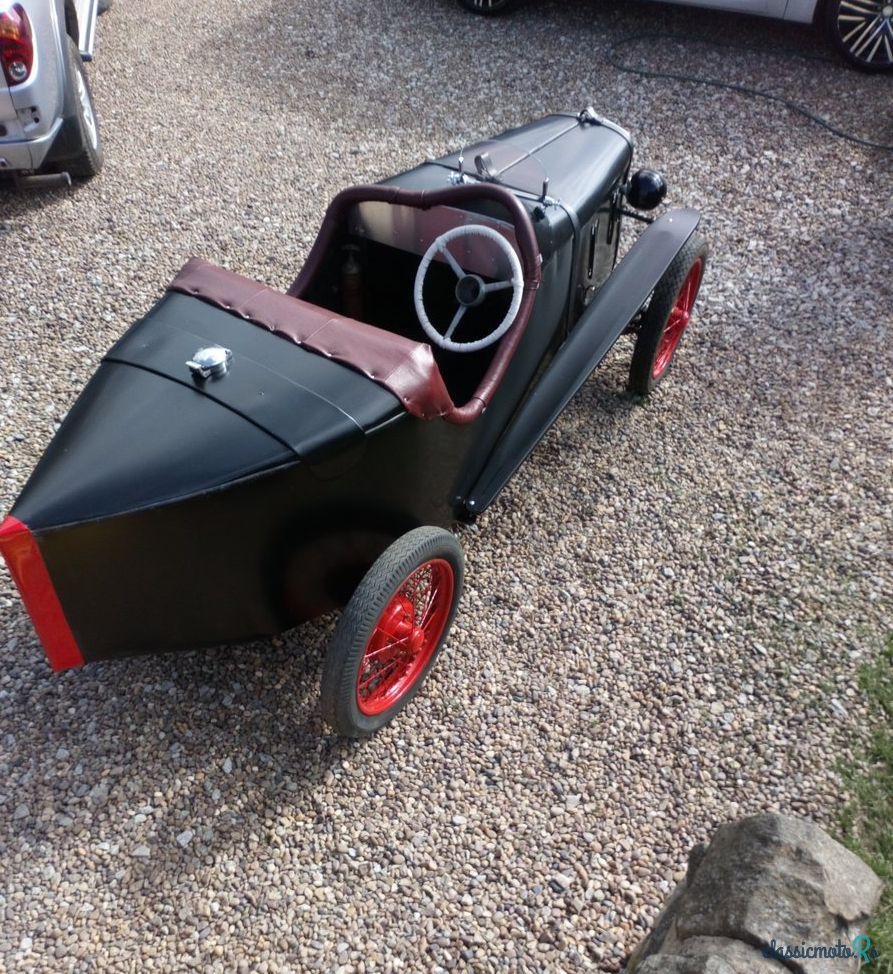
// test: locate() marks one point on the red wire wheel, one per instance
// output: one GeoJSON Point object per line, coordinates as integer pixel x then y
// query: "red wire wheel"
{"type": "Point", "coordinates": [405, 637]}
{"type": "Point", "coordinates": [391, 631]}
{"type": "Point", "coordinates": [667, 317]}
{"type": "Point", "coordinates": [678, 320]}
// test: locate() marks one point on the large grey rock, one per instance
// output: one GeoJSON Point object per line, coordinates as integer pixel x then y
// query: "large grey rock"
{"type": "Point", "coordinates": [665, 964]}
{"type": "Point", "coordinates": [712, 955]}
{"type": "Point", "coordinates": [763, 879]}
{"type": "Point", "coordinates": [705, 955]}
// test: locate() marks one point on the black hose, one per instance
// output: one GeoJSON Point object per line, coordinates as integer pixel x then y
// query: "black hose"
{"type": "Point", "coordinates": [792, 106]}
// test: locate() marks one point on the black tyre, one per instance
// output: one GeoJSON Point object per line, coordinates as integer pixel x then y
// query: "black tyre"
{"type": "Point", "coordinates": [667, 316]}
{"type": "Point", "coordinates": [391, 631]}
{"type": "Point", "coordinates": [862, 30]}
{"type": "Point", "coordinates": [489, 8]}
{"type": "Point", "coordinates": [86, 159]}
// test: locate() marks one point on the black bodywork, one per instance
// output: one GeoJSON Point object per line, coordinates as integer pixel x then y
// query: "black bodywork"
{"type": "Point", "coordinates": [170, 514]}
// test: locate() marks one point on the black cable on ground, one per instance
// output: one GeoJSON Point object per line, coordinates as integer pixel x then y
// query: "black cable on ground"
{"type": "Point", "coordinates": [792, 106]}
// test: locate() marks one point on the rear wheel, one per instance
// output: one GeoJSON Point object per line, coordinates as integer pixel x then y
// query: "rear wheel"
{"type": "Point", "coordinates": [391, 631]}
{"type": "Point", "coordinates": [86, 160]}
{"type": "Point", "coordinates": [490, 8]}
{"type": "Point", "coordinates": [668, 314]}
{"type": "Point", "coordinates": [862, 30]}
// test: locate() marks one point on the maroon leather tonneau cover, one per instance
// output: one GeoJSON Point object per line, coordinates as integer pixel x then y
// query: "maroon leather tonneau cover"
{"type": "Point", "coordinates": [404, 367]}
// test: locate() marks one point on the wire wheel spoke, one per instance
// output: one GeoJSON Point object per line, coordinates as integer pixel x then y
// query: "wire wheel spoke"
{"type": "Point", "coordinates": [386, 649]}
{"type": "Point", "coordinates": [427, 614]}
{"type": "Point", "coordinates": [676, 324]}
{"type": "Point", "coordinates": [380, 673]}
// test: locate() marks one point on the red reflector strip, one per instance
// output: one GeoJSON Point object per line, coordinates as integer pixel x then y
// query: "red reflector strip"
{"type": "Point", "coordinates": [29, 572]}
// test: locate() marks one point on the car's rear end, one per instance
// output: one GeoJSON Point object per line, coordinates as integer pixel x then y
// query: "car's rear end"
{"type": "Point", "coordinates": [172, 510]}
{"type": "Point", "coordinates": [47, 122]}
{"type": "Point", "coordinates": [32, 84]}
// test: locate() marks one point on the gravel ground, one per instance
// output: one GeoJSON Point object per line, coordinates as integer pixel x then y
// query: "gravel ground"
{"type": "Point", "coordinates": [668, 642]}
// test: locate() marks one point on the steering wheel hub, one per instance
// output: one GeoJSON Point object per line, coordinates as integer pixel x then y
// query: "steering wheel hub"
{"type": "Point", "coordinates": [470, 290]}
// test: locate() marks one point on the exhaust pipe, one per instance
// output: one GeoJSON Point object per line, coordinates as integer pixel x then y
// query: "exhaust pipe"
{"type": "Point", "coordinates": [49, 180]}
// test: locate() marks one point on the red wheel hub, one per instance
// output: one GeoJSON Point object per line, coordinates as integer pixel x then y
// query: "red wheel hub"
{"type": "Point", "coordinates": [405, 637]}
{"type": "Point", "coordinates": [678, 320]}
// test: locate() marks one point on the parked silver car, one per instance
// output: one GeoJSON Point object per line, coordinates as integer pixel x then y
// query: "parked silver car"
{"type": "Point", "coordinates": [47, 120]}
{"type": "Point", "coordinates": [861, 30]}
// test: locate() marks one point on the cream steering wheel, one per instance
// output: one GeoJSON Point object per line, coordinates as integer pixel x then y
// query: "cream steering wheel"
{"type": "Point", "coordinates": [470, 288]}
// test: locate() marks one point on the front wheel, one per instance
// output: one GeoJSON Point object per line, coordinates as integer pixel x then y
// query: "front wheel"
{"type": "Point", "coordinates": [668, 314]}
{"type": "Point", "coordinates": [391, 631]}
{"type": "Point", "coordinates": [862, 30]}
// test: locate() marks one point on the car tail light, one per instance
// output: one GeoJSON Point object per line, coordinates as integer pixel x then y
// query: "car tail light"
{"type": "Point", "coordinates": [16, 44]}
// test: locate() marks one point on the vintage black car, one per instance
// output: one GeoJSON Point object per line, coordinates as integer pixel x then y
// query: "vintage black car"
{"type": "Point", "coordinates": [245, 459]}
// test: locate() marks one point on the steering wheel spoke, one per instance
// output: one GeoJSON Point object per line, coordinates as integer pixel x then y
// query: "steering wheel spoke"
{"type": "Point", "coordinates": [497, 286]}
{"type": "Point", "coordinates": [451, 260]}
{"type": "Point", "coordinates": [471, 290]}
{"type": "Point", "coordinates": [454, 324]}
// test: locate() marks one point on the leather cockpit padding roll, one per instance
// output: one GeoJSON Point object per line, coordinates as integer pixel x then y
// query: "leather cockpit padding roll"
{"type": "Point", "coordinates": [531, 261]}
{"type": "Point", "coordinates": [404, 367]}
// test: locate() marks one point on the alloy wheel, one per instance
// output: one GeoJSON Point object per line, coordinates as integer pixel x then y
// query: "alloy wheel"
{"type": "Point", "coordinates": [865, 28]}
